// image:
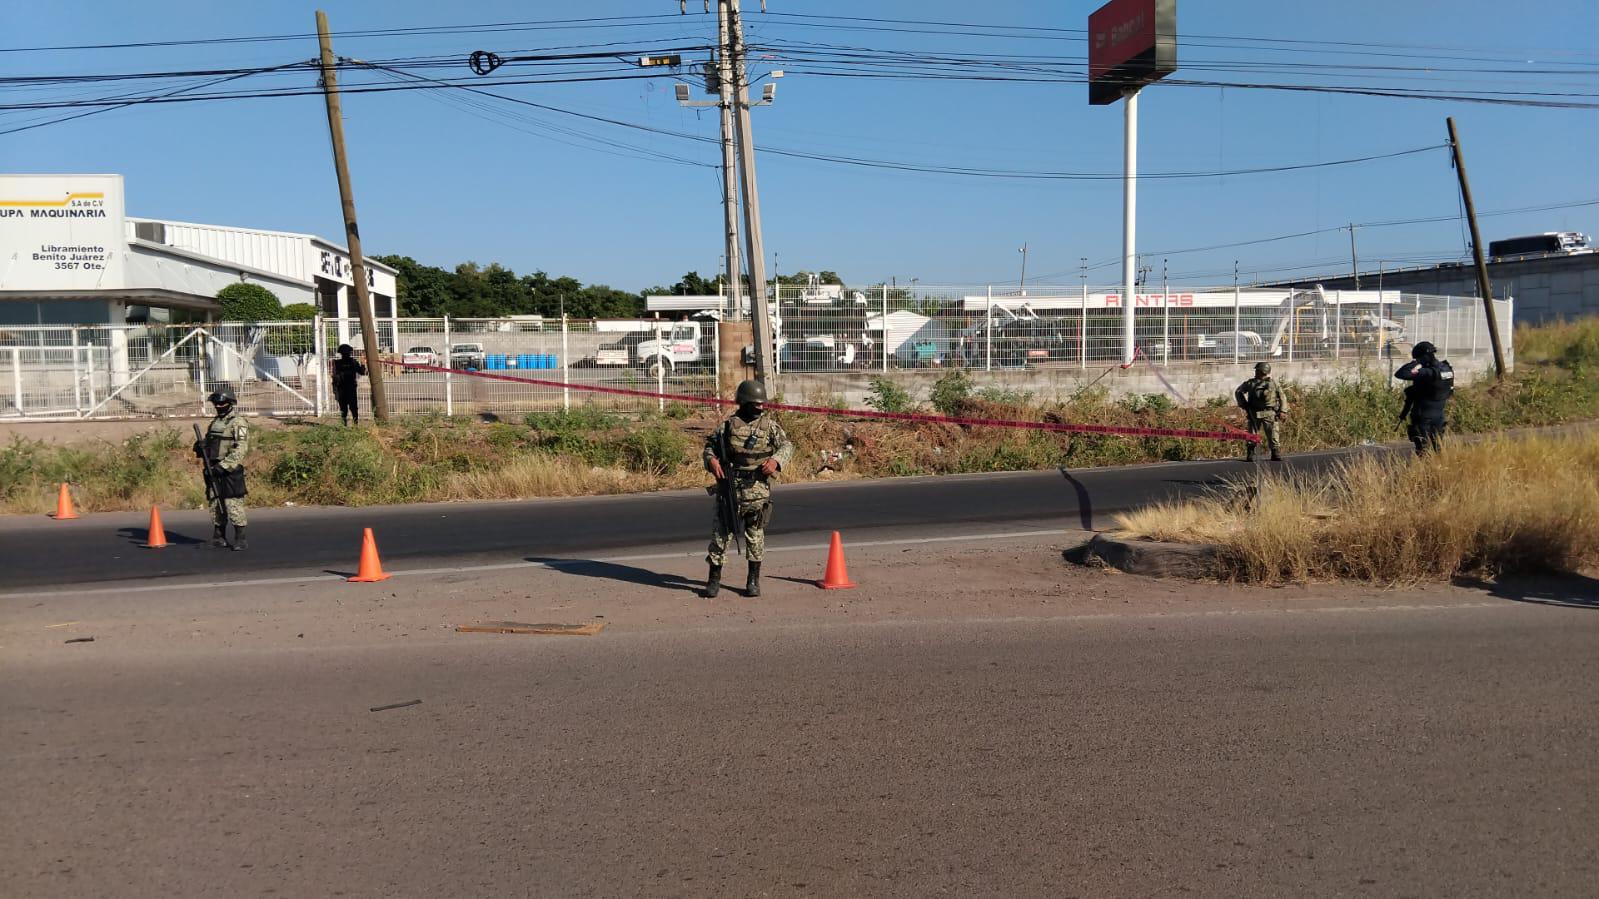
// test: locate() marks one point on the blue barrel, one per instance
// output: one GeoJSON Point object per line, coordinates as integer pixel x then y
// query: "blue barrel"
{"type": "Point", "coordinates": [549, 362]}
{"type": "Point", "coordinates": [495, 361]}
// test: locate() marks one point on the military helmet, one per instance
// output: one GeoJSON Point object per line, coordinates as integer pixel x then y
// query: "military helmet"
{"type": "Point", "coordinates": [1423, 349]}
{"type": "Point", "coordinates": [345, 349]}
{"type": "Point", "coordinates": [750, 392]}
{"type": "Point", "coordinates": [222, 396]}
{"type": "Point", "coordinates": [1262, 369]}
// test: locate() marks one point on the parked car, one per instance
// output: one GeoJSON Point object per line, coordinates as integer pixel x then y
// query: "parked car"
{"type": "Point", "coordinates": [418, 356]}
{"type": "Point", "coordinates": [467, 356]}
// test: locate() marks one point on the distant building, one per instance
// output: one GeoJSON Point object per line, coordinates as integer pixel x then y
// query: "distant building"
{"type": "Point", "coordinates": [69, 255]}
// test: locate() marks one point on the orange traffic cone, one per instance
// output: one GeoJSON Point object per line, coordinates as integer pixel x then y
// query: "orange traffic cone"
{"type": "Point", "coordinates": [371, 569]}
{"type": "Point", "coordinates": [836, 578]}
{"type": "Point", "coordinates": [157, 535]}
{"type": "Point", "coordinates": [64, 510]}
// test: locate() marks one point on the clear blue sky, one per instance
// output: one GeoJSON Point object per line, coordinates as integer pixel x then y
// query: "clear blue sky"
{"type": "Point", "coordinates": [438, 183]}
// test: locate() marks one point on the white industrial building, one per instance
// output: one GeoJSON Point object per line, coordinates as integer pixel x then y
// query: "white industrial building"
{"type": "Point", "coordinates": [69, 255]}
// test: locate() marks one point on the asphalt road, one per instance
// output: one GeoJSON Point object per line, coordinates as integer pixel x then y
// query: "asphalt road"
{"type": "Point", "coordinates": [1416, 751]}
{"type": "Point", "coordinates": [39, 552]}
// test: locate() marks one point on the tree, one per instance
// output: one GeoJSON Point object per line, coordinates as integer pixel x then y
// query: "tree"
{"type": "Point", "coordinates": [246, 302]}
{"type": "Point", "coordinates": [299, 312]}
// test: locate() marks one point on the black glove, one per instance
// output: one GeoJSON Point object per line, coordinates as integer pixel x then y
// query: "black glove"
{"type": "Point", "coordinates": [199, 449]}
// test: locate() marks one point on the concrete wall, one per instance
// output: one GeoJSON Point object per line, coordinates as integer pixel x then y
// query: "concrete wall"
{"type": "Point", "coordinates": [1545, 289]}
{"type": "Point", "coordinates": [1191, 383]}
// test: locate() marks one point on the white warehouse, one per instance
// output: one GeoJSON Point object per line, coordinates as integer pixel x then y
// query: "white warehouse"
{"type": "Point", "coordinates": [69, 255]}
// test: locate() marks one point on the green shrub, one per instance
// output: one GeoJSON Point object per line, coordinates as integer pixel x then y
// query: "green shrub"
{"type": "Point", "coordinates": [951, 392]}
{"type": "Point", "coordinates": [886, 396]}
{"type": "Point", "coordinates": [657, 448]}
{"type": "Point", "coordinates": [246, 302]}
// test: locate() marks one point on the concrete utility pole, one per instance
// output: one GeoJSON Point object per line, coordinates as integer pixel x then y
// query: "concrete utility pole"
{"type": "Point", "coordinates": [1354, 260]}
{"type": "Point", "coordinates": [1023, 284]}
{"type": "Point", "coordinates": [756, 255]}
{"type": "Point", "coordinates": [352, 231]}
{"type": "Point", "coordinates": [1476, 252]}
{"type": "Point", "coordinates": [724, 77]}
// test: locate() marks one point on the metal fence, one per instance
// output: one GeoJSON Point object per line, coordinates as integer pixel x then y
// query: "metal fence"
{"type": "Point", "coordinates": [891, 328]}
{"type": "Point", "coordinates": [282, 368]}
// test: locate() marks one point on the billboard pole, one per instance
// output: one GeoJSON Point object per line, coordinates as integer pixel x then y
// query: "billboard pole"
{"type": "Point", "coordinates": [1129, 223]}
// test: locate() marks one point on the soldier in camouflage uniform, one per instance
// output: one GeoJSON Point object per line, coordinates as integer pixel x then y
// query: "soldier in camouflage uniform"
{"type": "Point", "coordinates": [223, 450]}
{"type": "Point", "coordinates": [1263, 402]}
{"type": "Point", "coordinates": [744, 452]}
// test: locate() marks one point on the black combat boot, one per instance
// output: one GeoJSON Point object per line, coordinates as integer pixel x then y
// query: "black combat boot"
{"type": "Point", "coordinates": [238, 539]}
{"type": "Point", "coordinates": [1249, 453]}
{"type": "Point", "coordinates": [1276, 456]}
{"type": "Point", "coordinates": [219, 536]}
{"type": "Point", "coordinates": [713, 582]}
{"type": "Point", "coordinates": [752, 586]}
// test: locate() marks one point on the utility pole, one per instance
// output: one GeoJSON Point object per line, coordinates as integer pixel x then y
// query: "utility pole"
{"type": "Point", "coordinates": [352, 231]}
{"type": "Point", "coordinates": [756, 253]}
{"type": "Point", "coordinates": [1354, 260]}
{"type": "Point", "coordinates": [724, 78]}
{"type": "Point", "coordinates": [1023, 251]}
{"type": "Point", "coordinates": [1129, 219]}
{"type": "Point", "coordinates": [1476, 251]}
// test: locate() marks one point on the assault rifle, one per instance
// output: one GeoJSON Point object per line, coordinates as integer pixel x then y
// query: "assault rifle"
{"type": "Point", "coordinates": [726, 492]}
{"type": "Point", "coordinates": [207, 467]}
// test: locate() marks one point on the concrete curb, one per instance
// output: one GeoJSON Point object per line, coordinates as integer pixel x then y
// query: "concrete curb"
{"type": "Point", "coordinates": [1147, 557]}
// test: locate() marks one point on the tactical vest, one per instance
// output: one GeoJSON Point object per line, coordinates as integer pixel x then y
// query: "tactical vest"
{"type": "Point", "coordinates": [1442, 385]}
{"type": "Point", "coordinates": [1258, 395]}
{"type": "Point", "coordinates": [222, 435]}
{"type": "Point", "coordinates": [748, 444]}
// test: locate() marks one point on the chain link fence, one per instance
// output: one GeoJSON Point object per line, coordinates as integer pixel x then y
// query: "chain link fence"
{"type": "Point", "coordinates": [484, 366]}
{"type": "Point", "coordinates": [892, 328]}
{"type": "Point", "coordinates": [448, 366]}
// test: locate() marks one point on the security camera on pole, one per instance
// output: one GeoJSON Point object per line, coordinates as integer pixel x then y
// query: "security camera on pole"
{"type": "Point", "coordinates": [1131, 43]}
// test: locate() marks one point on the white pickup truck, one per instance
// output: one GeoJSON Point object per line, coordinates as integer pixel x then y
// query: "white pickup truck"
{"type": "Point", "coordinates": [676, 347]}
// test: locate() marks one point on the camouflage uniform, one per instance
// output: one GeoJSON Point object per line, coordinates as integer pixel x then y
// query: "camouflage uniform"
{"type": "Point", "coordinates": [1263, 401]}
{"type": "Point", "coordinates": [748, 444]}
{"type": "Point", "coordinates": [227, 440]}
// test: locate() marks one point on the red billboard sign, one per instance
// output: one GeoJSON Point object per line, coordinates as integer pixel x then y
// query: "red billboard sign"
{"type": "Point", "coordinates": [1130, 44]}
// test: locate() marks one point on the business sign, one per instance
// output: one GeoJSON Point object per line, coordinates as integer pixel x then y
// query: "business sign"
{"type": "Point", "coordinates": [61, 232]}
{"type": "Point", "coordinates": [334, 265]}
{"type": "Point", "coordinates": [1130, 44]}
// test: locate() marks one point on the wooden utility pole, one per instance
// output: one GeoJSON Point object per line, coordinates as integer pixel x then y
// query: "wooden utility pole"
{"type": "Point", "coordinates": [352, 231]}
{"type": "Point", "coordinates": [1476, 251]}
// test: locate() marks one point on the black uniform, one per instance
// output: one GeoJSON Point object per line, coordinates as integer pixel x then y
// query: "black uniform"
{"type": "Point", "coordinates": [345, 371]}
{"type": "Point", "coordinates": [1432, 382]}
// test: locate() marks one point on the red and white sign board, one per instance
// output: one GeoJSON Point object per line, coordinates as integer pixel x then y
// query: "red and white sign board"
{"type": "Point", "coordinates": [1130, 44]}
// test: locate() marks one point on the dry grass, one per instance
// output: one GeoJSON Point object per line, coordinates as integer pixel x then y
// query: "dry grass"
{"type": "Point", "coordinates": [1501, 506]}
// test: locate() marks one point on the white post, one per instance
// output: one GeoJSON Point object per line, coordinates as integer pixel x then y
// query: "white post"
{"type": "Point", "coordinates": [77, 381]}
{"type": "Point", "coordinates": [449, 366]}
{"type": "Point", "coordinates": [1082, 335]}
{"type": "Point", "coordinates": [1165, 324]}
{"type": "Point", "coordinates": [1129, 223]}
{"type": "Point", "coordinates": [660, 369]}
{"type": "Point", "coordinates": [200, 355]}
{"type": "Point", "coordinates": [1237, 319]}
{"type": "Point", "coordinates": [885, 329]}
{"type": "Point", "coordinates": [988, 333]}
{"type": "Point", "coordinates": [566, 368]}
{"type": "Point", "coordinates": [88, 356]}
{"type": "Point", "coordinates": [1449, 313]}
{"type": "Point", "coordinates": [1474, 334]}
{"type": "Point", "coordinates": [319, 346]}
{"type": "Point", "coordinates": [16, 379]}
{"type": "Point", "coordinates": [1293, 323]}
{"type": "Point", "coordinates": [1338, 325]}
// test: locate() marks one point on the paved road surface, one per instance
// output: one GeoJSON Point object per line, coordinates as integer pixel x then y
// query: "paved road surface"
{"type": "Point", "coordinates": [37, 552]}
{"type": "Point", "coordinates": [1420, 751]}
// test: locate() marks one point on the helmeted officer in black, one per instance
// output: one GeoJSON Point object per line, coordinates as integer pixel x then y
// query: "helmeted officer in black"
{"type": "Point", "coordinates": [345, 371]}
{"type": "Point", "coordinates": [1432, 382]}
